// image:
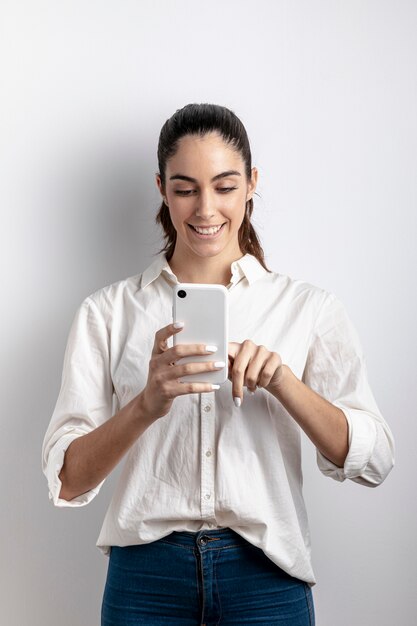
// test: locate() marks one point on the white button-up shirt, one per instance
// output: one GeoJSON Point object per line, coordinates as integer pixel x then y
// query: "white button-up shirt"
{"type": "Point", "coordinates": [208, 464]}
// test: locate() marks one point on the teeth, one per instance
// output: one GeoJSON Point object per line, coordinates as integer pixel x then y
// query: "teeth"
{"type": "Point", "coordinates": [208, 231]}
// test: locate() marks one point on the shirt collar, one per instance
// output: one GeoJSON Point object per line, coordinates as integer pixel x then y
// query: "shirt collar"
{"type": "Point", "coordinates": [247, 267]}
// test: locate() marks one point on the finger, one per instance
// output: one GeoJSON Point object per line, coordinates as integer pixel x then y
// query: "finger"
{"type": "Point", "coordinates": [240, 365]}
{"type": "Point", "coordinates": [232, 349]}
{"type": "Point", "coordinates": [163, 334]}
{"type": "Point", "coordinates": [270, 369]}
{"type": "Point", "coordinates": [267, 368]}
{"type": "Point", "coordinates": [230, 366]}
{"type": "Point", "coordinates": [185, 388]}
{"type": "Point", "coordinates": [255, 368]}
{"type": "Point", "coordinates": [187, 349]}
{"type": "Point", "coordinates": [186, 369]}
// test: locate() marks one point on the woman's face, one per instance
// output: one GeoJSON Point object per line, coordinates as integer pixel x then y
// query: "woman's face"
{"type": "Point", "coordinates": [207, 188]}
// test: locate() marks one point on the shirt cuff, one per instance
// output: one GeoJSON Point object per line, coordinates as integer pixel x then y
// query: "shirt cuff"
{"type": "Point", "coordinates": [55, 463]}
{"type": "Point", "coordinates": [362, 438]}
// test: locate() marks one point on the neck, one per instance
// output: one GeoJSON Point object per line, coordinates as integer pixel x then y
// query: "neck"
{"type": "Point", "coordinates": [189, 268]}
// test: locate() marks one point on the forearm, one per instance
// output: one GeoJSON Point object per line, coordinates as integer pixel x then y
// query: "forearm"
{"type": "Point", "coordinates": [324, 423]}
{"type": "Point", "coordinates": [91, 457]}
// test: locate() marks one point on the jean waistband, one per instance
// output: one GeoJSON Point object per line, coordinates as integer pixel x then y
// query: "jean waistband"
{"type": "Point", "coordinates": [216, 538]}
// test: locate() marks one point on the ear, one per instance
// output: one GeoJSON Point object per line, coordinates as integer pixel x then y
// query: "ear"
{"type": "Point", "coordinates": [252, 183]}
{"type": "Point", "coordinates": [159, 183]}
{"type": "Point", "coordinates": [161, 188]}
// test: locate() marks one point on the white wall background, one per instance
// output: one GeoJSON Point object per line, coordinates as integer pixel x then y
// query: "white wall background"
{"type": "Point", "coordinates": [328, 93]}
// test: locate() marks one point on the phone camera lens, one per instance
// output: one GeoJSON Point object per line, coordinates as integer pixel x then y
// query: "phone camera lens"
{"type": "Point", "coordinates": [182, 293]}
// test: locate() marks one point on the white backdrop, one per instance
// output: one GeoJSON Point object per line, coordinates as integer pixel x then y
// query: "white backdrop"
{"type": "Point", "coordinates": [328, 93]}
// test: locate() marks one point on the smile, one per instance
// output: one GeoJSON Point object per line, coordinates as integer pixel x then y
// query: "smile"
{"type": "Point", "coordinates": [207, 233]}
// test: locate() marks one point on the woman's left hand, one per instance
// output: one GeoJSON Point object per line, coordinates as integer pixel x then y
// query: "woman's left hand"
{"type": "Point", "coordinates": [252, 366]}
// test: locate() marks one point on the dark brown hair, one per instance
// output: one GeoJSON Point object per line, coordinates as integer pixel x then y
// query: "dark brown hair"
{"type": "Point", "coordinates": [200, 119]}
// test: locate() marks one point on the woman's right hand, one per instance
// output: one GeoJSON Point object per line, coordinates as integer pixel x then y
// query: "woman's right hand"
{"type": "Point", "coordinates": [163, 383]}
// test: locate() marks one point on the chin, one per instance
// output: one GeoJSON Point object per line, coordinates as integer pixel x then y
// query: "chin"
{"type": "Point", "coordinates": [207, 253]}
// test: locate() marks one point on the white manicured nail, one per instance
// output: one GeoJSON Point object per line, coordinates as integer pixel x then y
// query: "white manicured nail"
{"type": "Point", "coordinates": [237, 401]}
{"type": "Point", "coordinates": [211, 348]}
{"type": "Point", "coordinates": [215, 387]}
{"type": "Point", "coordinates": [219, 364]}
{"type": "Point", "coordinates": [178, 324]}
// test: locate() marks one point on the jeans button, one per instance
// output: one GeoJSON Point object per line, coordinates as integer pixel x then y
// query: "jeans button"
{"type": "Point", "coordinates": [202, 541]}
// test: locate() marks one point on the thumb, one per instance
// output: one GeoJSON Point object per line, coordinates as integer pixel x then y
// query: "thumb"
{"type": "Point", "coordinates": [162, 335]}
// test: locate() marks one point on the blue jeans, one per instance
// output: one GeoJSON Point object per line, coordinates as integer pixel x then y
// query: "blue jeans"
{"type": "Point", "coordinates": [206, 578]}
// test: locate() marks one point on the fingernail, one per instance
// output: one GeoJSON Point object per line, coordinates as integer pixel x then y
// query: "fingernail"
{"type": "Point", "coordinates": [219, 364]}
{"type": "Point", "coordinates": [178, 324]}
{"type": "Point", "coordinates": [211, 348]}
{"type": "Point", "coordinates": [237, 401]}
{"type": "Point", "coordinates": [215, 387]}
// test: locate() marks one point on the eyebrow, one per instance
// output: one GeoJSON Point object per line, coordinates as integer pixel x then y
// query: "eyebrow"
{"type": "Point", "coordinates": [194, 180]}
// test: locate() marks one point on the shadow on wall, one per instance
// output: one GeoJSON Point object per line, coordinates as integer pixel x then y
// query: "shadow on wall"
{"type": "Point", "coordinates": [104, 201]}
{"type": "Point", "coordinates": [90, 222]}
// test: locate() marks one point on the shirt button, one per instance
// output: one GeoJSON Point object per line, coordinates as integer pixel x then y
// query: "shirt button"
{"type": "Point", "coordinates": [207, 408]}
{"type": "Point", "coordinates": [208, 453]}
{"type": "Point", "coordinates": [207, 496]}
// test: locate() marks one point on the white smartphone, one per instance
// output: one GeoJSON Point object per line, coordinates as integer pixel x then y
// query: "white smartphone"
{"type": "Point", "coordinates": [205, 313]}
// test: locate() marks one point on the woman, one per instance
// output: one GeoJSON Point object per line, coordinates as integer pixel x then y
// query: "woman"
{"type": "Point", "coordinates": [208, 524]}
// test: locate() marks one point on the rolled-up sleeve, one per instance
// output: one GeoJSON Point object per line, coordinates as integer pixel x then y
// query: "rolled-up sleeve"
{"type": "Point", "coordinates": [85, 398]}
{"type": "Point", "coordinates": [336, 370]}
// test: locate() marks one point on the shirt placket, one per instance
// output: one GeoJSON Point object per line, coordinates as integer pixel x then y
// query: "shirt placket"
{"type": "Point", "coordinates": [207, 420]}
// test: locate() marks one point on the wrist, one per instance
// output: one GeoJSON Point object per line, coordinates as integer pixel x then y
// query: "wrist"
{"type": "Point", "coordinates": [140, 409]}
{"type": "Point", "coordinates": [278, 389]}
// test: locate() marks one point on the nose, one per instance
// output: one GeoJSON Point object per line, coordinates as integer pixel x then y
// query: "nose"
{"type": "Point", "coordinates": [205, 205]}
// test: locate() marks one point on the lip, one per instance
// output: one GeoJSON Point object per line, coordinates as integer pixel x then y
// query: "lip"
{"type": "Point", "coordinates": [206, 225]}
{"type": "Point", "coordinates": [199, 236]}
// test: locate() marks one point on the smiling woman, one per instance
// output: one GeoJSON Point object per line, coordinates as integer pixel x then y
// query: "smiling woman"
{"type": "Point", "coordinates": [207, 182]}
{"type": "Point", "coordinates": [207, 203]}
{"type": "Point", "coordinates": [208, 521]}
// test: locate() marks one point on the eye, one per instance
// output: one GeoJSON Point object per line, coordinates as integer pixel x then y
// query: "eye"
{"type": "Point", "coordinates": [184, 192]}
{"type": "Point", "coordinates": [226, 189]}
